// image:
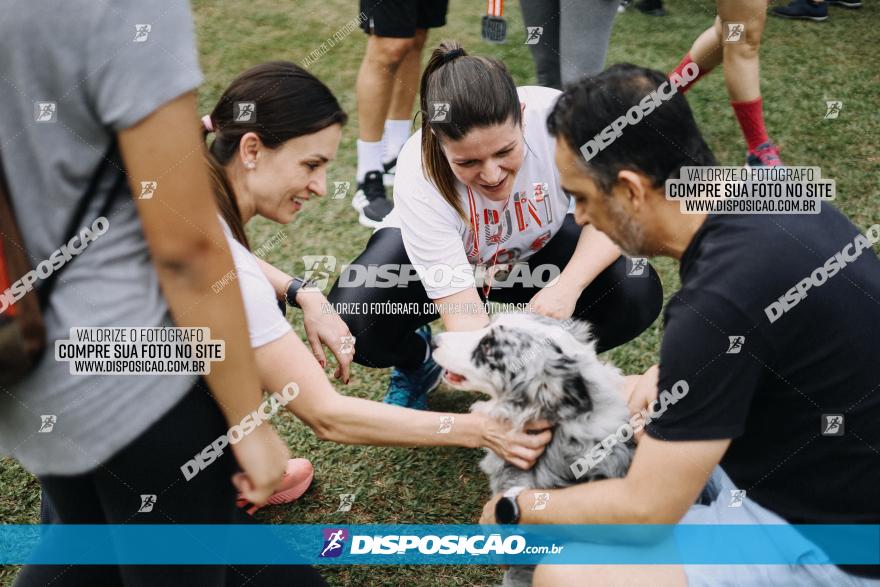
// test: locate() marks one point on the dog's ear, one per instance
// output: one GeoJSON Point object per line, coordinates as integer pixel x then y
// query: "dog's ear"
{"type": "Point", "coordinates": [564, 387]}
{"type": "Point", "coordinates": [577, 393]}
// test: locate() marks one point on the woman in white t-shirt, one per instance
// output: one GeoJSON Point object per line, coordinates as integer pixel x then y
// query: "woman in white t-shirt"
{"type": "Point", "coordinates": [479, 210]}
{"type": "Point", "coordinates": [271, 167]}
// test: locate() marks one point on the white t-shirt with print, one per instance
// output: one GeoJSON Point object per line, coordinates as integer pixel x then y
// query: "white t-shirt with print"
{"type": "Point", "coordinates": [506, 232]}
{"type": "Point", "coordinates": [265, 321]}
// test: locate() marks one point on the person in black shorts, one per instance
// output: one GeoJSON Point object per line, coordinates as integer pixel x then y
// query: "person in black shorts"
{"type": "Point", "coordinates": [768, 363]}
{"type": "Point", "coordinates": [386, 89]}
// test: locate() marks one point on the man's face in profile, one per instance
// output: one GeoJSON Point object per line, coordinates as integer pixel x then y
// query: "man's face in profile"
{"type": "Point", "coordinates": [607, 212]}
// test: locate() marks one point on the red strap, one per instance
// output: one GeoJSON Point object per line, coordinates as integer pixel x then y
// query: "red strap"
{"type": "Point", "coordinates": [475, 223]}
{"type": "Point", "coordinates": [4, 282]}
{"type": "Point", "coordinates": [495, 8]}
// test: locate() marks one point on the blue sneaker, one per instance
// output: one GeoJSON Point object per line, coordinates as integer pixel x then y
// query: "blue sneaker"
{"type": "Point", "coordinates": [410, 388]}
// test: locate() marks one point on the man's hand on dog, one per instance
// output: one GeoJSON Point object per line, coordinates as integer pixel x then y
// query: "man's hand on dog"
{"type": "Point", "coordinates": [520, 448]}
{"type": "Point", "coordinates": [488, 515]}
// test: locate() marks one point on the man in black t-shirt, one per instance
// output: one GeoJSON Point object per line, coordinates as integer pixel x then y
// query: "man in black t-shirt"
{"type": "Point", "coordinates": [771, 348]}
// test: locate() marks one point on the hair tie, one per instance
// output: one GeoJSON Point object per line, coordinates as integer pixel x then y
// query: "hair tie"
{"type": "Point", "coordinates": [207, 124]}
{"type": "Point", "coordinates": [450, 55]}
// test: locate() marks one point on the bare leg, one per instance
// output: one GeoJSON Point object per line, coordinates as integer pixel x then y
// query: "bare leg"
{"type": "Point", "coordinates": [406, 82]}
{"type": "Point", "coordinates": [742, 70]}
{"type": "Point", "coordinates": [707, 51]}
{"type": "Point", "coordinates": [375, 82]}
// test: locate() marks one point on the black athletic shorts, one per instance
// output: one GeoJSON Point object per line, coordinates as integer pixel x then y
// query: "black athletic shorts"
{"type": "Point", "coordinates": [401, 18]}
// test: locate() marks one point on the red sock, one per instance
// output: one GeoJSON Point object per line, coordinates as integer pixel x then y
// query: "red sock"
{"type": "Point", "coordinates": [751, 120]}
{"type": "Point", "coordinates": [685, 61]}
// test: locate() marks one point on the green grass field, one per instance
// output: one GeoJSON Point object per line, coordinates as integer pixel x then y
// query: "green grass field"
{"type": "Point", "coordinates": [803, 64]}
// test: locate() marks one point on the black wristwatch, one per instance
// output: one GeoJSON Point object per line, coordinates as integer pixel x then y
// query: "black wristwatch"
{"type": "Point", "coordinates": [506, 509]}
{"type": "Point", "coordinates": [296, 284]}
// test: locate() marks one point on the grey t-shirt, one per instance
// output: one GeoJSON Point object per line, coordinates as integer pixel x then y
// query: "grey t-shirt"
{"type": "Point", "coordinates": [90, 57]}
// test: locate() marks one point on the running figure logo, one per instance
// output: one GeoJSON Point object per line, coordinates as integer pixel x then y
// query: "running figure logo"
{"type": "Point", "coordinates": [446, 423]}
{"type": "Point", "coordinates": [47, 423]}
{"type": "Point", "coordinates": [148, 189]}
{"type": "Point", "coordinates": [334, 539]}
{"type": "Point", "coordinates": [319, 268]}
{"type": "Point", "coordinates": [141, 32]}
{"type": "Point", "coordinates": [533, 34]}
{"type": "Point", "coordinates": [636, 266]}
{"type": "Point", "coordinates": [244, 112]}
{"type": "Point", "coordinates": [736, 344]}
{"type": "Point", "coordinates": [346, 500]}
{"type": "Point", "coordinates": [147, 503]}
{"type": "Point", "coordinates": [735, 32]}
{"type": "Point", "coordinates": [833, 108]}
{"type": "Point", "coordinates": [736, 498]}
{"type": "Point", "coordinates": [832, 424]}
{"type": "Point", "coordinates": [541, 500]}
{"type": "Point", "coordinates": [45, 111]}
{"type": "Point", "coordinates": [340, 190]}
{"type": "Point", "coordinates": [346, 345]}
{"type": "Point", "coordinates": [440, 112]}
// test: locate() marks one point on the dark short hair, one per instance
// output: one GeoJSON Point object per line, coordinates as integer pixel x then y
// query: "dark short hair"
{"type": "Point", "coordinates": [659, 145]}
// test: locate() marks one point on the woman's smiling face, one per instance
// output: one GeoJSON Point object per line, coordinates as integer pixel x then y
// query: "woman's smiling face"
{"type": "Point", "coordinates": [286, 177]}
{"type": "Point", "coordinates": [487, 158]}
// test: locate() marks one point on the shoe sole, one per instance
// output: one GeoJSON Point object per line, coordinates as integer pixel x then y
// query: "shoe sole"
{"type": "Point", "coordinates": [851, 6]}
{"type": "Point", "coordinates": [365, 220]}
{"type": "Point", "coordinates": [789, 17]}
{"type": "Point", "coordinates": [359, 202]}
{"type": "Point", "coordinates": [286, 496]}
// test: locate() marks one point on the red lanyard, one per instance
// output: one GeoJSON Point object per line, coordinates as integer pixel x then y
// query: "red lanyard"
{"type": "Point", "coordinates": [475, 228]}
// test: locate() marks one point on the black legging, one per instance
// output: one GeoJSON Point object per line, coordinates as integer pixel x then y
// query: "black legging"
{"type": "Point", "coordinates": [151, 465]}
{"type": "Point", "coordinates": [618, 307]}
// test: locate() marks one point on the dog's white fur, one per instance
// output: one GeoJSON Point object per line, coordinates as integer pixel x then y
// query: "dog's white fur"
{"type": "Point", "coordinates": [534, 368]}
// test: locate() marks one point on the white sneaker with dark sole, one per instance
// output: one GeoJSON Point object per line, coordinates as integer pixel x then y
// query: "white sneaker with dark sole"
{"type": "Point", "coordinates": [370, 200]}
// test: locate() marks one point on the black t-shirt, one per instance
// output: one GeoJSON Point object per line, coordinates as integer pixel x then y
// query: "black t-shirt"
{"type": "Point", "coordinates": [785, 380]}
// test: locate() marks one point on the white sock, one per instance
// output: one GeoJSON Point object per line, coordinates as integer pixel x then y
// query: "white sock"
{"type": "Point", "coordinates": [369, 158]}
{"type": "Point", "coordinates": [395, 135]}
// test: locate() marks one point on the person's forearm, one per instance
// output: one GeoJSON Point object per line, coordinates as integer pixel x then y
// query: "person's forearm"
{"type": "Point", "coordinates": [593, 254]}
{"type": "Point", "coordinates": [609, 501]}
{"type": "Point", "coordinates": [352, 420]}
{"type": "Point", "coordinates": [463, 311]}
{"type": "Point", "coordinates": [278, 278]}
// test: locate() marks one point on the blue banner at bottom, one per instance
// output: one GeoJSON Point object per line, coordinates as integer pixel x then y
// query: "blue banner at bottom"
{"type": "Point", "coordinates": [439, 544]}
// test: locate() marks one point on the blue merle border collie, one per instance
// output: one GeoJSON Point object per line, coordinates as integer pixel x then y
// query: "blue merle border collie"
{"type": "Point", "coordinates": [533, 368]}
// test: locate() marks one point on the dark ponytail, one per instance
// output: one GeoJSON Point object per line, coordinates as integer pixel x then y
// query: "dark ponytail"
{"type": "Point", "coordinates": [289, 102]}
{"type": "Point", "coordinates": [479, 91]}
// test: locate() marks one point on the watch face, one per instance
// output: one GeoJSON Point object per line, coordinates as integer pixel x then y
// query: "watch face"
{"type": "Point", "coordinates": [505, 511]}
